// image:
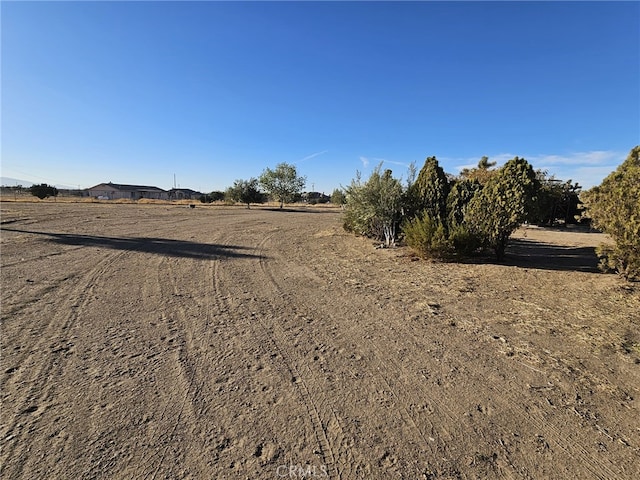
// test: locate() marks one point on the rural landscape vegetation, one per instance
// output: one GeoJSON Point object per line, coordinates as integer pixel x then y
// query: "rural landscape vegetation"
{"type": "Point", "coordinates": [442, 216]}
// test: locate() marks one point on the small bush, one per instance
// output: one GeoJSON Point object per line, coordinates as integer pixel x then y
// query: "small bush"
{"type": "Point", "coordinates": [465, 241]}
{"type": "Point", "coordinates": [338, 197]}
{"type": "Point", "coordinates": [617, 258]}
{"type": "Point", "coordinates": [43, 191]}
{"type": "Point", "coordinates": [427, 237]}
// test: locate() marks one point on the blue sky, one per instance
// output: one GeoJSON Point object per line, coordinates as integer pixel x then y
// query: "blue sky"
{"type": "Point", "coordinates": [135, 92]}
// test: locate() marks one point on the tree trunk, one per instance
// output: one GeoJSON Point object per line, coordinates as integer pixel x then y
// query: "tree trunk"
{"type": "Point", "coordinates": [500, 248]}
{"type": "Point", "coordinates": [389, 234]}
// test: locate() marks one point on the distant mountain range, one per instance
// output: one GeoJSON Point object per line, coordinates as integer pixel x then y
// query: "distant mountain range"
{"type": "Point", "coordinates": [12, 182]}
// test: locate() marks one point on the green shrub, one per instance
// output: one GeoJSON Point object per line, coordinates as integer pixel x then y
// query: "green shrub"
{"type": "Point", "coordinates": [429, 191]}
{"type": "Point", "coordinates": [459, 197]}
{"type": "Point", "coordinates": [428, 237]}
{"type": "Point", "coordinates": [614, 207]}
{"type": "Point", "coordinates": [43, 191]}
{"type": "Point", "coordinates": [497, 210]}
{"type": "Point", "coordinates": [465, 241]}
{"type": "Point", "coordinates": [338, 197]}
{"type": "Point", "coordinates": [373, 208]}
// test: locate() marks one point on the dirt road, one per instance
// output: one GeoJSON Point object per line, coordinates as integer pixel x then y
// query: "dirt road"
{"type": "Point", "coordinates": [163, 342]}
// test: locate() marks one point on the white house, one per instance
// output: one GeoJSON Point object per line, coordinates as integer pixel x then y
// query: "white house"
{"type": "Point", "coordinates": [113, 191]}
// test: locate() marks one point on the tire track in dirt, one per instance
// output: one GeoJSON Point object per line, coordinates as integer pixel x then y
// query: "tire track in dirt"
{"type": "Point", "coordinates": [22, 262]}
{"type": "Point", "coordinates": [320, 422]}
{"type": "Point", "coordinates": [382, 376]}
{"type": "Point", "coordinates": [176, 318]}
{"type": "Point", "coordinates": [190, 303]}
{"type": "Point", "coordinates": [39, 370]}
{"type": "Point", "coordinates": [226, 298]}
{"type": "Point", "coordinates": [506, 398]}
{"type": "Point", "coordinates": [442, 424]}
{"type": "Point", "coordinates": [262, 339]}
{"type": "Point", "coordinates": [324, 415]}
{"type": "Point", "coordinates": [164, 285]}
{"type": "Point", "coordinates": [192, 312]}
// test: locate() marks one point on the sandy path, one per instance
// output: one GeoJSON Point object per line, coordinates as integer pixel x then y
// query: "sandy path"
{"type": "Point", "coordinates": [157, 341]}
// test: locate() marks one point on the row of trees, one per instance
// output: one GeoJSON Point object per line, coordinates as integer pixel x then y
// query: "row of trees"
{"type": "Point", "coordinates": [447, 217]}
{"type": "Point", "coordinates": [283, 184]}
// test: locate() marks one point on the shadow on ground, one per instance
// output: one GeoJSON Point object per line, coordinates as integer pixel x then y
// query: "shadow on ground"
{"type": "Point", "coordinates": [159, 246]}
{"type": "Point", "coordinates": [531, 254]}
{"type": "Point", "coordinates": [301, 210]}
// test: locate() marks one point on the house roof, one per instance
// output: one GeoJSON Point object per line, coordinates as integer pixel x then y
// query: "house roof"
{"type": "Point", "coordinates": [128, 188]}
{"type": "Point", "coordinates": [185, 190]}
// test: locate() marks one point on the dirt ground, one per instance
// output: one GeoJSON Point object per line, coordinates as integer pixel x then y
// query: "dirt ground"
{"type": "Point", "coordinates": [164, 342]}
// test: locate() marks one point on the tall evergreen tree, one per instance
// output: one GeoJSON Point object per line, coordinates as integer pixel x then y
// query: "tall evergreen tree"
{"type": "Point", "coordinates": [429, 192]}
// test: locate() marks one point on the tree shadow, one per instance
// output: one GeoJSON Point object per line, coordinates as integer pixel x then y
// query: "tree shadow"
{"type": "Point", "coordinates": [532, 254]}
{"type": "Point", "coordinates": [158, 246]}
{"type": "Point", "coordinates": [301, 210]}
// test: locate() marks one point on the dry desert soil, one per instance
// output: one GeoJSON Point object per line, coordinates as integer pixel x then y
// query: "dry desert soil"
{"type": "Point", "coordinates": [167, 342]}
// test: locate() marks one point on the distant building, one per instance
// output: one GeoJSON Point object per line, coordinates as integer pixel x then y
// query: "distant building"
{"type": "Point", "coordinates": [184, 194]}
{"type": "Point", "coordinates": [114, 191]}
{"type": "Point", "coordinates": [315, 197]}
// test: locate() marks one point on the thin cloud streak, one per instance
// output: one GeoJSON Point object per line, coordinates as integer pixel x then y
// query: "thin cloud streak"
{"type": "Point", "coordinates": [365, 161]}
{"type": "Point", "coordinates": [313, 155]}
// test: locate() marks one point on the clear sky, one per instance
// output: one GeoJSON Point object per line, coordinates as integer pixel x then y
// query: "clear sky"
{"type": "Point", "coordinates": [135, 92]}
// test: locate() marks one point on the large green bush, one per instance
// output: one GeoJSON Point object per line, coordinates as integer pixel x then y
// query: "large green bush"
{"type": "Point", "coordinates": [473, 215]}
{"type": "Point", "coordinates": [459, 197]}
{"type": "Point", "coordinates": [614, 207]}
{"type": "Point", "coordinates": [245, 191]}
{"type": "Point", "coordinates": [502, 204]}
{"type": "Point", "coordinates": [373, 208]}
